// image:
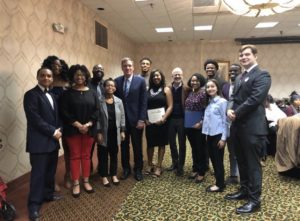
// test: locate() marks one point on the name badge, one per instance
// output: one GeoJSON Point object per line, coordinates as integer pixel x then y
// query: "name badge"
{"type": "Point", "coordinates": [246, 79]}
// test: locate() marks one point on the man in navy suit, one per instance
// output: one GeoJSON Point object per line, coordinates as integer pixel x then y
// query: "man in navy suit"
{"type": "Point", "coordinates": [43, 133]}
{"type": "Point", "coordinates": [249, 127]}
{"type": "Point", "coordinates": [131, 89]}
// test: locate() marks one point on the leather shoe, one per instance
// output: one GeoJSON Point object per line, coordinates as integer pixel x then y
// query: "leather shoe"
{"type": "Point", "coordinates": [179, 172]}
{"type": "Point", "coordinates": [54, 198]}
{"type": "Point", "coordinates": [34, 216]}
{"type": "Point", "coordinates": [239, 195]}
{"type": "Point", "coordinates": [210, 190]}
{"type": "Point", "coordinates": [249, 207]}
{"type": "Point", "coordinates": [126, 174]}
{"type": "Point", "coordinates": [138, 176]}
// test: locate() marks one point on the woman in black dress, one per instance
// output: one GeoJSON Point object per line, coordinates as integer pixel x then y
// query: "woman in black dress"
{"type": "Point", "coordinates": [159, 96]}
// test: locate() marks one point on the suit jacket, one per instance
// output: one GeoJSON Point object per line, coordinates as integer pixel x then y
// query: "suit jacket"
{"type": "Point", "coordinates": [42, 121]}
{"type": "Point", "coordinates": [225, 90]}
{"type": "Point", "coordinates": [135, 104]}
{"type": "Point", "coordinates": [120, 119]}
{"type": "Point", "coordinates": [248, 99]}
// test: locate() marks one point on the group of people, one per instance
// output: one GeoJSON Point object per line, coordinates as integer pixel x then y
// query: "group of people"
{"type": "Point", "coordinates": [86, 112]}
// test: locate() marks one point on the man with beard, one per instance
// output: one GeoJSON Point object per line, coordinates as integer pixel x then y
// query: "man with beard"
{"type": "Point", "coordinates": [96, 84]}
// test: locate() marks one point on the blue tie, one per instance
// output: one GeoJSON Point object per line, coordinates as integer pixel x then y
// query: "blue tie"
{"type": "Point", "coordinates": [126, 87]}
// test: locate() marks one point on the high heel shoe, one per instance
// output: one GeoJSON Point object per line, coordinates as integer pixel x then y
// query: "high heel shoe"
{"type": "Point", "coordinates": [75, 195]}
{"type": "Point", "coordinates": [105, 184]}
{"type": "Point", "coordinates": [115, 182]}
{"type": "Point", "coordinates": [87, 190]}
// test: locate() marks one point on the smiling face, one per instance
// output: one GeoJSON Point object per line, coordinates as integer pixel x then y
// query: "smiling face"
{"type": "Point", "coordinates": [211, 89]}
{"type": "Point", "coordinates": [156, 78]}
{"type": "Point", "coordinates": [45, 77]}
{"type": "Point", "coordinates": [56, 67]}
{"type": "Point", "coordinates": [145, 65]}
{"type": "Point", "coordinates": [127, 68]}
{"type": "Point", "coordinates": [195, 83]}
{"type": "Point", "coordinates": [110, 87]}
{"type": "Point", "coordinates": [177, 77]}
{"type": "Point", "coordinates": [98, 72]}
{"type": "Point", "coordinates": [210, 70]}
{"type": "Point", "coordinates": [247, 58]}
{"type": "Point", "coordinates": [234, 71]}
{"type": "Point", "coordinates": [79, 78]}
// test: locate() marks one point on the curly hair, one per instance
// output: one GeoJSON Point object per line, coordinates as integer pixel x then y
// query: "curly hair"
{"type": "Point", "coordinates": [211, 61]}
{"type": "Point", "coordinates": [162, 82]}
{"type": "Point", "coordinates": [77, 67]}
{"type": "Point", "coordinates": [199, 77]}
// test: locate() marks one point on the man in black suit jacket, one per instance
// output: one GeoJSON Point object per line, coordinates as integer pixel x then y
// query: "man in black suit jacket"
{"type": "Point", "coordinates": [131, 89]}
{"type": "Point", "coordinates": [43, 133]}
{"type": "Point", "coordinates": [249, 127]}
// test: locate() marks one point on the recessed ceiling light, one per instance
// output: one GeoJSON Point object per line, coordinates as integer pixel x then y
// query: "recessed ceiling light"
{"type": "Point", "coordinates": [141, 0]}
{"type": "Point", "coordinates": [203, 28]}
{"type": "Point", "coordinates": [266, 24]}
{"type": "Point", "coordinates": [161, 30]}
{"type": "Point", "coordinates": [100, 9]}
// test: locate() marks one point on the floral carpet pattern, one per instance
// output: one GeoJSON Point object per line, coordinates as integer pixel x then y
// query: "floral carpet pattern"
{"type": "Point", "coordinates": [173, 198]}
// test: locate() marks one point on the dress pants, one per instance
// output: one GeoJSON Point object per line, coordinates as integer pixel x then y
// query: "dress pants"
{"type": "Point", "coordinates": [199, 151]}
{"type": "Point", "coordinates": [135, 136]}
{"type": "Point", "coordinates": [248, 148]}
{"type": "Point", "coordinates": [217, 157]}
{"type": "Point", "coordinates": [43, 169]}
{"type": "Point", "coordinates": [176, 127]}
{"type": "Point", "coordinates": [80, 146]}
{"type": "Point", "coordinates": [112, 150]}
{"type": "Point", "coordinates": [234, 171]}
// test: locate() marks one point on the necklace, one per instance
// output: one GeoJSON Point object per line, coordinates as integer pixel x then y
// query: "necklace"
{"type": "Point", "coordinates": [152, 93]}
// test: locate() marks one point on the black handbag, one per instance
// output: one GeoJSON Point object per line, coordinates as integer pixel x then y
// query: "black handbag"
{"type": "Point", "coordinates": [8, 211]}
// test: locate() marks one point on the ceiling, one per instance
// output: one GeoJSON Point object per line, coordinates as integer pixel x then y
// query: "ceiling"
{"type": "Point", "coordinates": [138, 20]}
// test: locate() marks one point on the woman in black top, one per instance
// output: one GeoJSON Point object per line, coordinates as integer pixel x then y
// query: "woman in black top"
{"type": "Point", "coordinates": [80, 112]}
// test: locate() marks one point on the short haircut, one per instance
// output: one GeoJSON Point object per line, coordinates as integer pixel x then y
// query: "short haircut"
{"type": "Point", "coordinates": [199, 77]}
{"type": "Point", "coordinates": [77, 67]}
{"type": "Point", "coordinates": [42, 68]}
{"type": "Point", "coordinates": [237, 65]}
{"type": "Point", "coordinates": [211, 61]}
{"type": "Point", "coordinates": [125, 60]}
{"type": "Point", "coordinates": [162, 82]}
{"type": "Point", "coordinates": [108, 80]}
{"type": "Point", "coordinates": [177, 69]}
{"type": "Point", "coordinates": [146, 58]}
{"type": "Point", "coordinates": [251, 47]}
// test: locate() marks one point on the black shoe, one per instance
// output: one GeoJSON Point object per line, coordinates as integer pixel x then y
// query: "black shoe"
{"type": "Point", "coordinates": [232, 180]}
{"type": "Point", "coordinates": [138, 176]}
{"type": "Point", "coordinates": [75, 195]}
{"type": "Point", "coordinates": [34, 216]}
{"type": "Point", "coordinates": [172, 167]}
{"type": "Point", "coordinates": [179, 172]}
{"type": "Point", "coordinates": [126, 174]}
{"type": "Point", "coordinates": [54, 198]}
{"type": "Point", "coordinates": [87, 190]}
{"type": "Point", "coordinates": [249, 207]}
{"type": "Point", "coordinates": [239, 195]}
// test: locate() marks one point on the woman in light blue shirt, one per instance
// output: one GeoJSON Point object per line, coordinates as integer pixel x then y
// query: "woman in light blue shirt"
{"type": "Point", "coordinates": [216, 129]}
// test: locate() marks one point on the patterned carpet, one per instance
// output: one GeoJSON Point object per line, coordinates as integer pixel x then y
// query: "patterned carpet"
{"type": "Point", "coordinates": [177, 198]}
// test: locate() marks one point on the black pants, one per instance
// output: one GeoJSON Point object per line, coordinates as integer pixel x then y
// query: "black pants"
{"type": "Point", "coordinates": [135, 135]}
{"type": "Point", "coordinates": [217, 156]}
{"type": "Point", "coordinates": [112, 150]}
{"type": "Point", "coordinates": [199, 151]}
{"type": "Point", "coordinates": [248, 148]}
{"type": "Point", "coordinates": [43, 169]}
{"type": "Point", "coordinates": [176, 127]}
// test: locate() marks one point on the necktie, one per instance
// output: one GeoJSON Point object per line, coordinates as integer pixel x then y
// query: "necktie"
{"type": "Point", "coordinates": [126, 87]}
{"type": "Point", "coordinates": [242, 77]}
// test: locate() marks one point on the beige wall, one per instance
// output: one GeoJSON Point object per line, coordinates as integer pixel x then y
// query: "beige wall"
{"type": "Point", "coordinates": [26, 38]}
{"type": "Point", "coordinates": [280, 60]}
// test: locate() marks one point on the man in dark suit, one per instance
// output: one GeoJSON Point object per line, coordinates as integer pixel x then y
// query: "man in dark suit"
{"type": "Point", "coordinates": [249, 127]}
{"type": "Point", "coordinates": [131, 89]}
{"type": "Point", "coordinates": [43, 133]}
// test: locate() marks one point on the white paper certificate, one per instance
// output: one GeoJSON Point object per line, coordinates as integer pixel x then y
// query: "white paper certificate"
{"type": "Point", "coordinates": [155, 115]}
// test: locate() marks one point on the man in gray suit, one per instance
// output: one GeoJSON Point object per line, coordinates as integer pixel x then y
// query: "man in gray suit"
{"type": "Point", "coordinates": [249, 127]}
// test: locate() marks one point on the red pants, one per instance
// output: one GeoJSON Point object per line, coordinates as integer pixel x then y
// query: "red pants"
{"type": "Point", "coordinates": [80, 151]}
